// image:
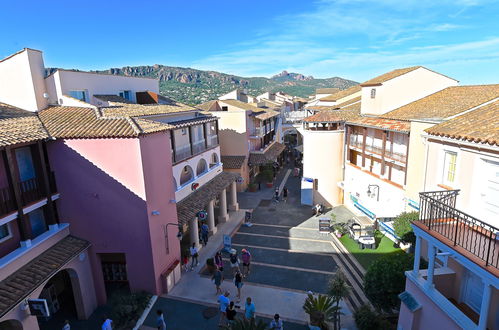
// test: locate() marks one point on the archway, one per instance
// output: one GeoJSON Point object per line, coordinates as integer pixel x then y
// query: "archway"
{"type": "Point", "coordinates": [11, 325]}
{"type": "Point", "coordinates": [202, 167]}
{"type": "Point", "coordinates": [64, 299]}
{"type": "Point", "coordinates": [213, 160]}
{"type": "Point", "coordinates": [175, 184]}
{"type": "Point", "coordinates": [186, 175]}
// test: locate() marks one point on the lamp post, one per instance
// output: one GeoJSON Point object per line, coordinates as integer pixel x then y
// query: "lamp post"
{"type": "Point", "coordinates": [370, 193]}
{"type": "Point", "coordinates": [179, 234]}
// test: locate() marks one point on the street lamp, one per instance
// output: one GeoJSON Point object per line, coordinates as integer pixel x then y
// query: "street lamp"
{"type": "Point", "coordinates": [179, 234]}
{"type": "Point", "coordinates": [370, 193]}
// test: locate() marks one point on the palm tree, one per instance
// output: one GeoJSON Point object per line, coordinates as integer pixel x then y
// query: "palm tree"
{"type": "Point", "coordinates": [338, 289]}
{"type": "Point", "coordinates": [320, 309]}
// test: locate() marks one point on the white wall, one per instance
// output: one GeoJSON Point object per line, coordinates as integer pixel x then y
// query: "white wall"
{"type": "Point", "coordinates": [21, 80]}
{"type": "Point", "coordinates": [402, 90]}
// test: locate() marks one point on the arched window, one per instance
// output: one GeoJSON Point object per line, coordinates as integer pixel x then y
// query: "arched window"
{"type": "Point", "coordinates": [186, 175]}
{"type": "Point", "coordinates": [213, 160]}
{"type": "Point", "coordinates": [202, 167]}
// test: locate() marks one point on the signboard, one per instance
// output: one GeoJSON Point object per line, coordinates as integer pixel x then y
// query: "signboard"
{"type": "Point", "coordinates": [324, 225]}
{"type": "Point", "coordinates": [202, 215]}
{"type": "Point", "coordinates": [240, 180]}
{"type": "Point", "coordinates": [38, 307]}
{"type": "Point", "coordinates": [227, 243]}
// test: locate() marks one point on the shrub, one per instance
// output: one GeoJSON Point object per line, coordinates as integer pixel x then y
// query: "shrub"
{"type": "Point", "coordinates": [321, 309]}
{"type": "Point", "coordinates": [385, 280]}
{"type": "Point", "coordinates": [402, 223]}
{"type": "Point", "coordinates": [366, 318]}
{"type": "Point", "coordinates": [244, 324]}
{"type": "Point", "coordinates": [127, 308]}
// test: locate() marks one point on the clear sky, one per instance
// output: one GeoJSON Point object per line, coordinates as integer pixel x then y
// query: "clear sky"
{"type": "Point", "coordinates": [354, 39]}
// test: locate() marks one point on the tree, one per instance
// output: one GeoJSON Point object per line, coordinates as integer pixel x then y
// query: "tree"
{"type": "Point", "coordinates": [385, 280]}
{"type": "Point", "coordinates": [338, 289]}
{"type": "Point", "coordinates": [402, 223]}
{"type": "Point", "coordinates": [320, 309]}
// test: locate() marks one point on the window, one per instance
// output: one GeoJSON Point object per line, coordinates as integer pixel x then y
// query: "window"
{"type": "Point", "coordinates": [449, 175]}
{"type": "Point", "coordinates": [373, 93]}
{"type": "Point", "coordinates": [183, 131]}
{"type": "Point", "coordinates": [126, 95]}
{"type": "Point", "coordinates": [80, 95]}
{"type": "Point", "coordinates": [5, 232]}
{"type": "Point", "coordinates": [37, 221]}
{"type": "Point", "coordinates": [224, 108]}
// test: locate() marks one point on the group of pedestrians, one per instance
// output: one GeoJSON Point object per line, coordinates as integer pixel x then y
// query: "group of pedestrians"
{"type": "Point", "coordinates": [228, 309]}
{"type": "Point", "coordinates": [284, 194]}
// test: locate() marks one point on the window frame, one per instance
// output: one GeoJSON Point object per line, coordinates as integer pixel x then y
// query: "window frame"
{"type": "Point", "coordinates": [122, 94]}
{"type": "Point", "coordinates": [9, 230]}
{"type": "Point", "coordinates": [446, 168]}
{"type": "Point", "coordinates": [373, 93]}
{"type": "Point", "coordinates": [85, 94]}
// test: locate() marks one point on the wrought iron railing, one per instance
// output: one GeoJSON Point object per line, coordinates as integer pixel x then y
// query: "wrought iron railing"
{"type": "Point", "coordinates": [7, 201]}
{"type": "Point", "coordinates": [438, 213]}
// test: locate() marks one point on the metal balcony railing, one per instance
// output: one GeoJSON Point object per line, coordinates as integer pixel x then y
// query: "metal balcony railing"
{"type": "Point", "coordinates": [438, 213]}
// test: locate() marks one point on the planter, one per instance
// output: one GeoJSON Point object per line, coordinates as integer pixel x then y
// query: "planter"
{"type": "Point", "coordinates": [252, 188]}
{"type": "Point", "coordinates": [269, 184]}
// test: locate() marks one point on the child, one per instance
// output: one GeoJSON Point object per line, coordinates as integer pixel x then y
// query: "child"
{"type": "Point", "coordinates": [185, 262]}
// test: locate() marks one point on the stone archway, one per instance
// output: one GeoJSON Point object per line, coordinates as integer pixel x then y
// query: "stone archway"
{"type": "Point", "coordinates": [11, 325]}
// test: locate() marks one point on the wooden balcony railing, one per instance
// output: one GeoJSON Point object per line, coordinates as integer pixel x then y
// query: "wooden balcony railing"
{"type": "Point", "coordinates": [7, 201]}
{"type": "Point", "coordinates": [31, 190]}
{"type": "Point", "coordinates": [438, 213]}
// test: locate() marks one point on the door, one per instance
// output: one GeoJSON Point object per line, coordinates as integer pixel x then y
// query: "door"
{"type": "Point", "coordinates": [25, 164]}
{"type": "Point", "coordinates": [473, 291]}
{"type": "Point", "coordinates": [37, 221]}
{"type": "Point", "coordinates": [490, 193]}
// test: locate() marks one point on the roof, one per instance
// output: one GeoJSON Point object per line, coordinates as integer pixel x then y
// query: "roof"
{"type": "Point", "coordinates": [266, 114]}
{"type": "Point", "coordinates": [135, 110]}
{"type": "Point", "coordinates": [269, 155]}
{"type": "Point", "coordinates": [193, 121]}
{"type": "Point", "coordinates": [10, 111]}
{"type": "Point", "coordinates": [209, 105]}
{"type": "Point", "coordinates": [112, 98]}
{"type": "Point", "coordinates": [382, 123]}
{"type": "Point", "coordinates": [333, 116]}
{"type": "Point", "coordinates": [189, 207]}
{"type": "Point", "coordinates": [446, 103]}
{"type": "Point", "coordinates": [233, 162]}
{"type": "Point", "coordinates": [389, 76]}
{"type": "Point", "coordinates": [341, 94]}
{"type": "Point", "coordinates": [21, 130]}
{"type": "Point", "coordinates": [480, 125]}
{"type": "Point", "coordinates": [76, 122]}
{"type": "Point", "coordinates": [241, 105]}
{"type": "Point", "coordinates": [24, 281]}
{"type": "Point", "coordinates": [327, 90]}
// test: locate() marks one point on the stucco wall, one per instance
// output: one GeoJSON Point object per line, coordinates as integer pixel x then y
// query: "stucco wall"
{"type": "Point", "coordinates": [323, 160]}
{"type": "Point", "coordinates": [233, 132]}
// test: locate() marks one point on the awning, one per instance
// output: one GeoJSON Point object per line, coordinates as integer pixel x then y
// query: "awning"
{"type": "Point", "coordinates": [190, 206]}
{"type": "Point", "coordinates": [268, 156]}
{"type": "Point", "coordinates": [23, 282]}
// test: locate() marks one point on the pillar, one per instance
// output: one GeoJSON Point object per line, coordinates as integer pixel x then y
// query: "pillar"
{"type": "Point", "coordinates": [432, 251]}
{"type": "Point", "coordinates": [222, 216]}
{"type": "Point", "coordinates": [234, 206]}
{"type": "Point", "coordinates": [417, 256]}
{"type": "Point", "coordinates": [211, 217]}
{"type": "Point", "coordinates": [194, 231]}
{"type": "Point", "coordinates": [484, 309]}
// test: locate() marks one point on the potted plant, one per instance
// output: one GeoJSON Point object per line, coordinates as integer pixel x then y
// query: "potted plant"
{"type": "Point", "coordinates": [320, 310]}
{"type": "Point", "coordinates": [339, 230]}
{"type": "Point", "coordinates": [252, 187]}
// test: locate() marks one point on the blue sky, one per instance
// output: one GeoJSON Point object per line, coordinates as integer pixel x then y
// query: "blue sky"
{"type": "Point", "coordinates": [354, 39]}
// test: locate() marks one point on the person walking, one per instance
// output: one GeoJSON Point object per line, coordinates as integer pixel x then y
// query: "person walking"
{"type": "Point", "coordinates": [238, 282]}
{"type": "Point", "coordinates": [185, 261]}
{"type": "Point", "coordinates": [276, 323]}
{"type": "Point", "coordinates": [224, 302]}
{"type": "Point", "coordinates": [231, 313]}
{"type": "Point", "coordinates": [194, 255]}
{"type": "Point", "coordinates": [107, 324]}
{"type": "Point", "coordinates": [219, 262]}
{"type": "Point", "coordinates": [276, 195]}
{"type": "Point", "coordinates": [249, 309]}
{"type": "Point", "coordinates": [246, 256]}
{"type": "Point", "coordinates": [285, 194]}
{"type": "Point", "coordinates": [205, 230]}
{"type": "Point", "coordinates": [160, 320]}
{"type": "Point", "coordinates": [218, 278]}
{"type": "Point", "coordinates": [234, 261]}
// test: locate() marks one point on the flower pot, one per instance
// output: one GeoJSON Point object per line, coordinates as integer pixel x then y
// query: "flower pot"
{"type": "Point", "coordinates": [252, 188]}
{"type": "Point", "coordinates": [269, 184]}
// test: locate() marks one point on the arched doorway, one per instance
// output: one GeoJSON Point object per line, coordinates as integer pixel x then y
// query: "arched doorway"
{"type": "Point", "coordinates": [11, 325]}
{"type": "Point", "coordinates": [213, 160]}
{"type": "Point", "coordinates": [186, 175]}
{"type": "Point", "coordinates": [202, 167]}
{"type": "Point", "coordinates": [64, 300]}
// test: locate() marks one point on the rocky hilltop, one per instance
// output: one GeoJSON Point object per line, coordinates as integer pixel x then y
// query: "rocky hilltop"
{"type": "Point", "coordinates": [193, 86]}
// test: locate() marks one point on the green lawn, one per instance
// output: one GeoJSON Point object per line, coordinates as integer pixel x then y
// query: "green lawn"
{"type": "Point", "coordinates": [366, 257]}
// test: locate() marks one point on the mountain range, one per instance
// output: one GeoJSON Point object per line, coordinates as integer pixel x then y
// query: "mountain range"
{"type": "Point", "coordinates": [193, 86]}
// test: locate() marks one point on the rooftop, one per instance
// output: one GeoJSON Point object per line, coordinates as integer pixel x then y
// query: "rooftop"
{"type": "Point", "coordinates": [112, 98]}
{"type": "Point", "coordinates": [233, 162]}
{"type": "Point", "coordinates": [21, 130]}
{"type": "Point", "coordinates": [448, 102]}
{"type": "Point", "coordinates": [382, 123]}
{"type": "Point", "coordinates": [341, 94]}
{"type": "Point", "coordinates": [327, 90]}
{"type": "Point", "coordinates": [333, 116]}
{"type": "Point", "coordinates": [389, 76]}
{"type": "Point", "coordinates": [8, 111]}
{"type": "Point", "coordinates": [480, 126]}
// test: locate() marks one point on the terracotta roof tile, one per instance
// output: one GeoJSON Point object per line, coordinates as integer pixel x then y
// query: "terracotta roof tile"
{"type": "Point", "coordinates": [189, 207]}
{"type": "Point", "coordinates": [480, 125]}
{"type": "Point", "coordinates": [382, 123]}
{"type": "Point", "coordinates": [9, 111]}
{"type": "Point", "coordinates": [113, 98]}
{"type": "Point", "coordinates": [333, 116]}
{"type": "Point", "coordinates": [233, 162]}
{"type": "Point", "coordinates": [327, 90]}
{"type": "Point", "coordinates": [270, 154]}
{"type": "Point", "coordinates": [135, 110]}
{"type": "Point", "coordinates": [389, 76]}
{"type": "Point", "coordinates": [21, 130]}
{"type": "Point", "coordinates": [446, 103]}
{"type": "Point", "coordinates": [209, 106]}
{"type": "Point", "coordinates": [24, 281]}
{"type": "Point", "coordinates": [341, 94]}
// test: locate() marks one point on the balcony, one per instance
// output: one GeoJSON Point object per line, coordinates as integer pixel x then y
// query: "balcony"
{"type": "Point", "coordinates": [398, 155]}
{"type": "Point", "coordinates": [478, 239]}
{"type": "Point", "coordinates": [7, 201]}
{"type": "Point", "coordinates": [199, 146]}
{"type": "Point", "coordinates": [182, 152]}
{"type": "Point", "coordinates": [31, 190]}
{"type": "Point", "coordinates": [257, 131]}
{"type": "Point", "coordinates": [212, 141]}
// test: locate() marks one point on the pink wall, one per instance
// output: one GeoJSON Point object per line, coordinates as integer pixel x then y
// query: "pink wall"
{"type": "Point", "coordinates": [103, 198]}
{"type": "Point", "coordinates": [157, 165]}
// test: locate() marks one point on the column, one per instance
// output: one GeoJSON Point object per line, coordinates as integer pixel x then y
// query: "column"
{"type": "Point", "coordinates": [484, 309]}
{"type": "Point", "coordinates": [51, 221]}
{"type": "Point", "coordinates": [222, 216]}
{"type": "Point", "coordinates": [234, 206]}
{"type": "Point", "coordinates": [194, 231]}
{"type": "Point", "coordinates": [417, 256]}
{"type": "Point", "coordinates": [211, 217]}
{"type": "Point", "coordinates": [431, 265]}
